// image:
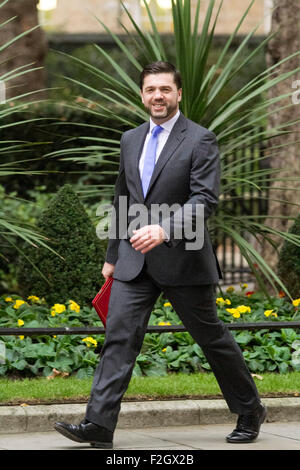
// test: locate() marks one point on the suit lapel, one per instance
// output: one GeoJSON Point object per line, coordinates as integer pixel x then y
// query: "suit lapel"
{"type": "Point", "coordinates": [136, 147]}
{"type": "Point", "coordinates": [135, 152]}
{"type": "Point", "coordinates": [176, 136]}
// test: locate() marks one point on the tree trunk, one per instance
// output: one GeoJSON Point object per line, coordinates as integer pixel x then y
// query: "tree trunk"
{"type": "Point", "coordinates": [30, 49]}
{"type": "Point", "coordinates": [286, 16]}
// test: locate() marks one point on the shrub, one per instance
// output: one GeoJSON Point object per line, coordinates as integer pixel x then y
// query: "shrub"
{"type": "Point", "coordinates": [289, 262]}
{"type": "Point", "coordinates": [75, 271]}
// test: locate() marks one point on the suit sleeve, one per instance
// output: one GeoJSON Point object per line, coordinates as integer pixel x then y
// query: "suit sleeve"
{"type": "Point", "coordinates": [120, 190]}
{"type": "Point", "coordinates": [204, 188]}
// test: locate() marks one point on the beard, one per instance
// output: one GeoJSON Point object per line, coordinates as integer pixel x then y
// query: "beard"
{"type": "Point", "coordinates": [162, 112]}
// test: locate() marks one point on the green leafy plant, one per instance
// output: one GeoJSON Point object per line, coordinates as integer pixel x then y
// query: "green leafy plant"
{"type": "Point", "coordinates": [10, 226]}
{"type": "Point", "coordinates": [76, 271]}
{"type": "Point", "coordinates": [289, 261]}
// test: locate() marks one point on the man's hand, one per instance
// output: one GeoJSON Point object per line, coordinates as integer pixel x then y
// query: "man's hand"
{"type": "Point", "coordinates": [147, 238]}
{"type": "Point", "coordinates": [108, 270]}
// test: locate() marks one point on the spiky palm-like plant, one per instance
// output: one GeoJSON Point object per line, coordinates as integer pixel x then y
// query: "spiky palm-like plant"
{"type": "Point", "coordinates": [237, 123]}
{"type": "Point", "coordinates": [11, 229]}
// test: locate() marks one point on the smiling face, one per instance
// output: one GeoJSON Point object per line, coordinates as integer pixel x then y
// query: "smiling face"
{"type": "Point", "coordinates": [161, 96]}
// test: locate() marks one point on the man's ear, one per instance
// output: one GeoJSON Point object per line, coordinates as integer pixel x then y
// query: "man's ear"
{"type": "Point", "coordinates": [179, 94]}
{"type": "Point", "coordinates": [142, 96]}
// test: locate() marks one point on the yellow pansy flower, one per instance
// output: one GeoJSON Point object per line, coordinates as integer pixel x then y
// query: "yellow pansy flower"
{"type": "Point", "coordinates": [234, 312]}
{"type": "Point", "coordinates": [33, 298]}
{"type": "Point", "coordinates": [267, 313]}
{"type": "Point", "coordinates": [21, 337]}
{"type": "Point", "coordinates": [74, 306]}
{"type": "Point", "coordinates": [244, 286]}
{"type": "Point", "coordinates": [167, 304]}
{"type": "Point", "coordinates": [230, 310]}
{"type": "Point", "coordinates": [162, 323]}
{"type": "Point", "coordinates": [164, 350]}
{"type": "Point", "coordinates": [20, 322]}
{"type": "Point", "coordinates": [57, 308]}
{"type": "Point", "coordinates": [8, 299]}
{"type": "Point", "coordinates": [221, 301]}
{"type": "Point", "coordinates": [230, 289]}
{"type": "Point", "coordinates": [90, 341]}
{"type": "Point", "coordinates": [296, 302]}
{"type": "Point", "coordinates": [18, 303]}
{"type": "Point", "coordinates": [244, 309]}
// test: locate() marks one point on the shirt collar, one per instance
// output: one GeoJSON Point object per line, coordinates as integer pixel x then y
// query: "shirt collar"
{"type": "Point", "coordinates": [168, 125]}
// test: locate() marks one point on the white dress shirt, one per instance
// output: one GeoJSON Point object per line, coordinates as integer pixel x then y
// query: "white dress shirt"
{"type": "Point", "coordinates": [162, 139]}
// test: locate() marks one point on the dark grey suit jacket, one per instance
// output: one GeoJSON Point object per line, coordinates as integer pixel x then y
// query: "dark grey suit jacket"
{"type": "Point", "coordinates": [187, 172]}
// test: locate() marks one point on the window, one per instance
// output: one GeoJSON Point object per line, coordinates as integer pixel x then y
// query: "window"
{"type": "Point", "coordinates": [161, 11]}
{"type": "Point", "coordinates": [46, 10]}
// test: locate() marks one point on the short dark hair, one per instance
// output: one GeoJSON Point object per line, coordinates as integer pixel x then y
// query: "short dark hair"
{"type": "Point", "coordinates": [161, 67]}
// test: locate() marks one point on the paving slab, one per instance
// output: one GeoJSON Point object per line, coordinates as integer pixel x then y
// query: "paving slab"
{"type": "Point", "coordinates": [273, 436]}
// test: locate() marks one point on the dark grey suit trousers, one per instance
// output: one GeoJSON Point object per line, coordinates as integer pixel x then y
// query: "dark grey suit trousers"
{"type": "Point", "coordinates": [130, 307]}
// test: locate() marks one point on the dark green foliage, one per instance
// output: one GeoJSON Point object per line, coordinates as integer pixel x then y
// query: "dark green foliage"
{"type": "Point", "coordinates": [56, 129]}
{"type": "Point", "coordinates": [76, 273]}
{"type": "Point", "coordinates": [289, 262]}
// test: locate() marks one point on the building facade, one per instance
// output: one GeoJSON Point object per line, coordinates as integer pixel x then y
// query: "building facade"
{"type": "Point", "coordinates": [76, 16]}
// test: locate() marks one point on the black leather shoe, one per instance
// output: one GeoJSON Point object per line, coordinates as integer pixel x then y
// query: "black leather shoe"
{"type": "Point", "coordinates": [248, 426]}
{"type": "Point", "coordinates": [97, 436]}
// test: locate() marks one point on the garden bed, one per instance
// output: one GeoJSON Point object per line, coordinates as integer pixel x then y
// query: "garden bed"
{"type": "Point", "coordinates": [162, 353]}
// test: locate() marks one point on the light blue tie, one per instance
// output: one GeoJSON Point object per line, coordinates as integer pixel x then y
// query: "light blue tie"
{"type": "Point", "coordinates": [150, 158]}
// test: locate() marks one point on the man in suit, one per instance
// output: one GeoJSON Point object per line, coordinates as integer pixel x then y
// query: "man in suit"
{"type": "Point", "coordinates": [169, 160]}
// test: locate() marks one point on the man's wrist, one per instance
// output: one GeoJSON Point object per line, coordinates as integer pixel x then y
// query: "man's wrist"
{"type": "Point", "coordinates": [166, 236]}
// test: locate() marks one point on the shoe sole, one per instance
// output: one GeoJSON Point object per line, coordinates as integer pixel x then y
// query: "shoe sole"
{"type": "Point", "coordinates": [245, 441]}
{"type": "Point", "coordinates": [69, 435]}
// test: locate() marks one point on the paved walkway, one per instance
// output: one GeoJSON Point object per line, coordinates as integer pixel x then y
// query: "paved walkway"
{"type": "Point", "coordinates": [273, 436]}
{"type": "Point", "coordinates": [187, 425]}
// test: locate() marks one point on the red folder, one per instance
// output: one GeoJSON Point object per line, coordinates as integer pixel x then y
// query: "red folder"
{"type": "Point", "coordinates": [100, 302]}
